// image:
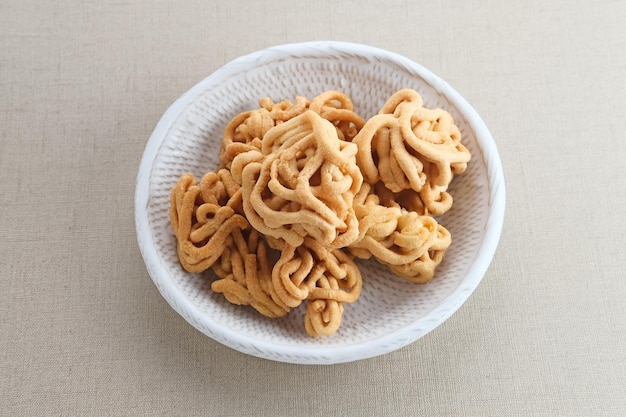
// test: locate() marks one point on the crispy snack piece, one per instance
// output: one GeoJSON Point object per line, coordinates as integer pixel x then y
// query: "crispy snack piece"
{"type": "Point", "coordinates": [332, 105]}
{"type": "Point", "coordinates": [407, 146]}
{"type": "Point", "coordinates": [245, 272]}
{"type": "Point", "coordinates": [422, 269]}
{"type": "Point", "coordinates": [407, 199]}
{"type": "Point", "coordinates": [341, 283]}
{"type": "Point", "coordinates": [410, 244]}
{"type": "Point", "coordinates": [337, 108]}
{"type": "Point", "coordinates": [212, 232]}
{"type": "Point", "coordinates": [306, 186]}
{"type": "Point", "coordinates": [324, 278]}
{"type": "Point", "coordinates": [246, 130]}
{"type": "Point", "coordinates": [243, 133]}
{"type": "Point", "coordinates": [201, 226]}
{"type": "Point", "coordinates": [302, 183]}
{"type": "Point", "coordinates": [284, 110]}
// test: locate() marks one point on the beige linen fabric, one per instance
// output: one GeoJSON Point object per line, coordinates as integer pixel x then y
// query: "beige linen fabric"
{"type": "Point", "coordinates": [83, 331]}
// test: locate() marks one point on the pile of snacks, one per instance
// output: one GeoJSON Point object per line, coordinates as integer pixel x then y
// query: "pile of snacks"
{"type": "Point", "coordinates": [304, 188]}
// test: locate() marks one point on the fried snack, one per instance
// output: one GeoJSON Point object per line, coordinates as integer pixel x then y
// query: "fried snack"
{"type": "Point", "coordinates": [406, 95]}
{"type": "Point", "coordinates": [337, 108]}
{"type": "Point", "coordinates": [422, 269]}
{"type": "Point", "coordinates": [245, 272]}
{"type": "Point", "coordinates": [243, 133]}
{"type": "Point", "coordinates": [407, 146]}
{"type": "Point", "coordinates": [221, 238]}
{"type": "Point", "coordinates": [411, 245]}
{"type": "Point", "coordinates": [341, 283]}
{"type": "Point", "coordinates": [304, 187]}
{"type": "Point", "coordinates": [201, 227]}
{"type": "Point", "coordinates": [323, 317]}
{"type": "Point", "coordinates": [284, 110]}
{"type": "Point", "coordinates": [220, 189]}
{"type": "Point", "coordinates": [324, 278]}
{"type": "Point", "coordinates": [407, 199]}
{"type": "Point", "coordinates": [302, 183]}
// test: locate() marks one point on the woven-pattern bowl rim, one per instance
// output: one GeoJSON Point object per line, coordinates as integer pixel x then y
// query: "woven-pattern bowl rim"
{"type": "Point", "coordinates": [332, 353]}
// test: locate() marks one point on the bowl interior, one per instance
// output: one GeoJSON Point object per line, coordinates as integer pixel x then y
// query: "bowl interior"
{"type": "Point", "coordinates": [390, 312]}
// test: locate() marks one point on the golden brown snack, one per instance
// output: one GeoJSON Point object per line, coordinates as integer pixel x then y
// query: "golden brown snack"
{"type": "Point", "coordinates": [323, 317]}
{"type": "Point", "coordinates": [200, 227]}
{"type": "Point", "coordinates": [410, 244]}
{"type": "Point", "coordinates": [340, 283]}
{"type": "Point", "coordinates": [407, 146]}
{"type": "Point", "coordinates": [422, 269]}
{"type": "Point", "coordinates": [245, 271]}
{"type": "Point", "coordinates": [219, 188]}
{"type": "Point", "coordinates": [284, 110]}
{"type": "Point", "coordinates": [408, 199]}
{"type": "Point", "coordinates": [243, 133]}
{"type": "Point", "coordinates": [212, 233]}
{"type": "Point", "coordinates": [337, 108]}
{"type": "Point", "coordinates": [303, 185]}
{"type": "Point", "coordinates": [324, 278]}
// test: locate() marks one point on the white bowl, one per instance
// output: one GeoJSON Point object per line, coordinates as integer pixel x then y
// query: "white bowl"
{"type": "Point", "coordinates": [390, 312]}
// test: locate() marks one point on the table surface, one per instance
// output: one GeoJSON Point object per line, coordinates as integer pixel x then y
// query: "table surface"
{"type": "Point", "coordinates": [84, 331]}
